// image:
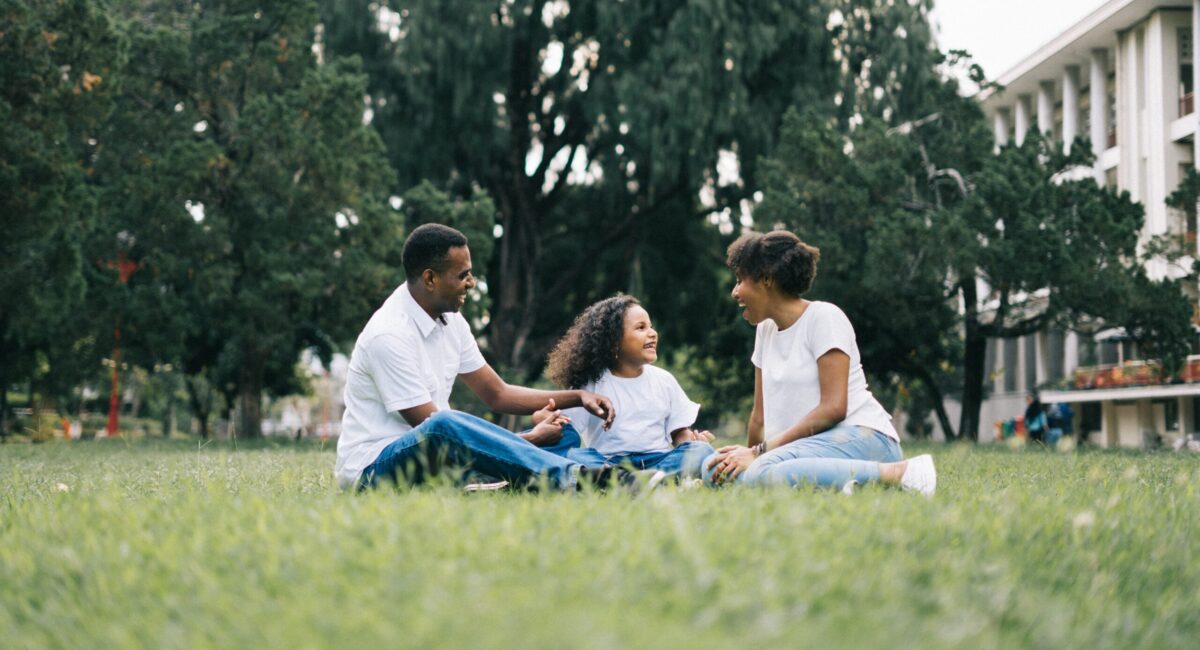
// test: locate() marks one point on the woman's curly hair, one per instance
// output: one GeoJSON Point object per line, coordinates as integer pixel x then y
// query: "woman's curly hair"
{"type": "Point", "coordinates": [778, 255]}
{"type": "Point", "coordinates": [590, 347]}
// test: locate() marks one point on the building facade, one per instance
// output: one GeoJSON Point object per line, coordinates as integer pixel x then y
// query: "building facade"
{"type": "Point", "coordinates": [1124, 77]}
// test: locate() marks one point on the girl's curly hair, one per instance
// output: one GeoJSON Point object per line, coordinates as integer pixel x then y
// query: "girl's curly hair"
{"type": "Point", "coordinates": [590, 346]}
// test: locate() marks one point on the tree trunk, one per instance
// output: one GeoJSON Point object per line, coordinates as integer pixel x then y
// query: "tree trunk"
{"type": "Point", "coordinates": [519, 253]}
{"type": "Point", "coordinates": [939, 405]}
{"type": "Point", "coordinates": [3, 404]}
{"type": "Point", "coordinates": [974, 356]}
{"type": "Point", "coordinates": [168, 421]}
{"type": "Point", "coordinates": [250, 383]}
{"type": "Point", "coordinates": [199, 405]}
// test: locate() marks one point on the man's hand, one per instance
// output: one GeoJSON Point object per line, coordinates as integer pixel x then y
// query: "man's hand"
{"type": "Point", "coordinates": [730, 463]}
{"type": "Point", "coordinates": [688, 434]}
{"type": "Point", "coordinates": [599, 406]}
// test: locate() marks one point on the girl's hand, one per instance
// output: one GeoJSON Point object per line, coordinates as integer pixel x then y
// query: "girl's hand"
{"type": "Point", "coordinates": [730, 462]}
{"type": "Point", "coordinates": [546, 412]}
{"type": "Point", "coordinates": [688, 434]}
{"type": "Point", "coordinates": [546, 433]}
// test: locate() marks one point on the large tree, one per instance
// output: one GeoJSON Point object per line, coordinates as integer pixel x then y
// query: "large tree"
{"type": "Point", "coordinates": [239, 176]}
{"type": "Point", "coordinates": [606, 133]}
{"type": "Point", "coordinates": [58, 62]}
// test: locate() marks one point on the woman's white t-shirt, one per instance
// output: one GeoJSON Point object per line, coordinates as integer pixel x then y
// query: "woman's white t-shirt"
{"type": "Point", "coordinates": [649, 407]}
{"type": "Point", "coordinates": [790, 385]}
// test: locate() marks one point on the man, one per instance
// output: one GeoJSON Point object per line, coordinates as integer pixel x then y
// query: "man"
{"type": "Point", "coordinates": [398, 419]}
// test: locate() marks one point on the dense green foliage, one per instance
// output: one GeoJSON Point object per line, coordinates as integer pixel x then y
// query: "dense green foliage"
{"type": "Point", "coordinates": [606, 133]}
{"type": "Point", "coordinates": [255, 166]}
{"type": "Point", "coordinates": [58, 61]}
{"type": "Point", "coordinates": [151, 545]}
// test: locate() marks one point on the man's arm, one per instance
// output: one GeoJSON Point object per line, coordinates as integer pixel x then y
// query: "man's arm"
{"type": "Point", "coordinates": [519, 400]}
{"type": "Point", "coordinates": [416, 415]}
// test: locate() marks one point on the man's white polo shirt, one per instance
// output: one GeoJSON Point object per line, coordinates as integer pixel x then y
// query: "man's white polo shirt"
{"type": "Point", "coordinates": [403, 358]}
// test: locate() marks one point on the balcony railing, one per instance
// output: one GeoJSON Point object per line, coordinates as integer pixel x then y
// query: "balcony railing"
{"type": "Point", "coordinates": [1187, 104]}
{"type": "Point", "coordinates": [1134, 373]}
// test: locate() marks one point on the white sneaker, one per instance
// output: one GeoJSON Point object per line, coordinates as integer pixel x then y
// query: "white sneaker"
{"type": "Point", "coordinates": [485, 487]}
{"type": "Point", "coordinates": [657, 479]}
{"type": "Point", "coordinates": [920, 475]}
{"type": "Point", "coordinates": [850, 487]}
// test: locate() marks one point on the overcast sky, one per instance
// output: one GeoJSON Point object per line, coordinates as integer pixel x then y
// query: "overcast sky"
{"type": "Point", "coordinates": [999, 33]}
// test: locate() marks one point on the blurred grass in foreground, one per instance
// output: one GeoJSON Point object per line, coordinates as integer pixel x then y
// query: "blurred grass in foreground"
{"type": "Point", "coordinates": [165, 543]}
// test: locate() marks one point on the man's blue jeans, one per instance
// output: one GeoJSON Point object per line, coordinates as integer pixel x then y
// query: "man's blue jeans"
{"type": "Point", "coordinates": [460, 442]}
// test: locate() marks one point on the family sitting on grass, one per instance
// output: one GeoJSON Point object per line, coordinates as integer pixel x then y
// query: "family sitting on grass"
{"type": "Point", "coordinates": [623, 421]}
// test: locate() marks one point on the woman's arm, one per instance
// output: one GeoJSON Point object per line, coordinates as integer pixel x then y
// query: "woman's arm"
{"type": "Point", "coordinates": [833, 373]}
{"type": "Point", "coordinates": [754, 428]}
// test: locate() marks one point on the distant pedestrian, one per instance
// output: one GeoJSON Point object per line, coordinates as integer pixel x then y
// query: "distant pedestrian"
{"type": "Point", "coordinates": [1035, 418]}
{"type": "Point", "coordinates": [1059, 422]}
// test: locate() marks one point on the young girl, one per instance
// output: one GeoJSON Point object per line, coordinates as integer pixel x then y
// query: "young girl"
{"type": "Point", "coordinates": [610, 350]}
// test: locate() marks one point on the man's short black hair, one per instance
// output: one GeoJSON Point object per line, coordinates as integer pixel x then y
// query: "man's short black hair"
{"type": "Point", "coordinates": [427, 247]}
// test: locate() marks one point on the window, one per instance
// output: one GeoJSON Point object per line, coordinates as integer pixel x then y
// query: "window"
{"type": "Point", "coordinates": [1031, 381]}
{"type": "Point", "coordinates": [1010, 365]}
{"type": "Point", "coordinates": [1108, 353]}
{"type": "Point", "coordinates": [1170, 413]}
{"type": "Point", "coordinates": [1112, 110]}
{"type": "Point", "coordinates": [1091, 417]}
{"type": "Point", "coordinates": [1186, 87]}
{"type": "Point", "coordinates": [1087, 351]}
{"type": "Point", "coordinates": [989, 363]}
{"type": "Point", "coordinates": [1054, 355]}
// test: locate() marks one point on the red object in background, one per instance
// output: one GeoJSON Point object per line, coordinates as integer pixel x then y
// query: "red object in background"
{"type": "Point", "coordinates": [125, 268]}
{"type": "Point", "coordinates": [114, 398]}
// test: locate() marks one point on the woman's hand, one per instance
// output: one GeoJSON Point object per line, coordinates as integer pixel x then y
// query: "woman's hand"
{"type": "Point", "coordinates": [730, 462]}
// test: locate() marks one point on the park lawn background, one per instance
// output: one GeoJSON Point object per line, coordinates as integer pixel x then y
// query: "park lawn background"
{"type": "Point", "coordinates": [174, 544]}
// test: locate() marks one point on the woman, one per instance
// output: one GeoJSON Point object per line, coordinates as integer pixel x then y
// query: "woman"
{"type": "Point", "coordinates": [814, 420]}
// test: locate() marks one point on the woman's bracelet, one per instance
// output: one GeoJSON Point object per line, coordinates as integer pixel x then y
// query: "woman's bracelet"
{"type": "Point", "coordinates": [760, 448]}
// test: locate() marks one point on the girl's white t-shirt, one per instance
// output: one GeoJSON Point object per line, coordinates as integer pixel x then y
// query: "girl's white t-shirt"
{"type": "Point", "coordinates": [649, 407]}
{"type": "Point", "coordinates": [788, 360]}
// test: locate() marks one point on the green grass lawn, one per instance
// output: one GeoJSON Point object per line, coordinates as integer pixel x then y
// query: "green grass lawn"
{"type": "Point", "coordinates": [166, 544]}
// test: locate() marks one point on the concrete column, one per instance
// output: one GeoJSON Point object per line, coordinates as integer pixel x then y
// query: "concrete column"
{"type": "Point", "coordinates": [1021, 118]}
{"type": "Point", "coordinates": [1195, 81]}
{"type": "Point", "coordinates": [1196, 109]}
{"type": "Point", "coordinates": [1045, 108]}
{"type": "Point", "coordinates": [1070, 127]}
{"type": "Point", "coordinates": [1000, 126]}
{"type": "Point", "coordinates": [1098, 107]}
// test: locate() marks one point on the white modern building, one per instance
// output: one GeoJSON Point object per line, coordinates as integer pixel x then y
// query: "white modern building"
{"type": "Point", "coordinates": [1124, 76]}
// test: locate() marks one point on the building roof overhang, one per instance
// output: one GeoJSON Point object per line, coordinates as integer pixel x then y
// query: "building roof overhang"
{"type": "Point", "coordinates": [1074, 46]}
{"type": "Point", "coordinates": [1110, 394]}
